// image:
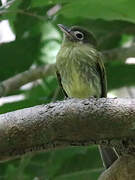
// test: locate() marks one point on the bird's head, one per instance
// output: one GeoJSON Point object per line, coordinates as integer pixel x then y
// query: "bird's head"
{"type": "Point", "coordinates": [78, 34]}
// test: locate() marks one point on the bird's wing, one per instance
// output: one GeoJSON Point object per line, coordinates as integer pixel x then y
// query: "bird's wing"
{"type": "Point", "coordinates": [101, 70]}
{"type": "Point", "coordinates": [60, 84]}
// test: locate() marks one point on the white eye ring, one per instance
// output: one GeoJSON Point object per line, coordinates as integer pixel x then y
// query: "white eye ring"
{"type": "Point", "coordinates": [79, 35]}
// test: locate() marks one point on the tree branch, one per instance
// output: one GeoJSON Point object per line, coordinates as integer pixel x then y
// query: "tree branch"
{"type": "Point", "coordinates": [120, 54]}
{"type": "Point", "coordinates": [73, 122]}
{"type": "Point", "coordinates": [19, 80]}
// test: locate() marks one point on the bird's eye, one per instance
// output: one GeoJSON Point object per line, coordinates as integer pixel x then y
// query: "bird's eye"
{"type": "Point", "coordinates": [79, 35]}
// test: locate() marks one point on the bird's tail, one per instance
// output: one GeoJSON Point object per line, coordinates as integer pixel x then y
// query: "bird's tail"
{"type": "Point", "coordinates": [108, 155]}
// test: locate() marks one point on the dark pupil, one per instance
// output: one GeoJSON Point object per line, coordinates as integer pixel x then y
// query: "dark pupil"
{"type": "Point", "coordinates": [79, 35]}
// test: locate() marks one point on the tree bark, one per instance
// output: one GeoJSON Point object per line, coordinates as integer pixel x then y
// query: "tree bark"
{"type": "Point", "coordinates": [73, 122]}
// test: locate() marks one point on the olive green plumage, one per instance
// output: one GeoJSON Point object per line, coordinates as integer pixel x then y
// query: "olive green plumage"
{"type": "Point", "coordinates": [80, 68]}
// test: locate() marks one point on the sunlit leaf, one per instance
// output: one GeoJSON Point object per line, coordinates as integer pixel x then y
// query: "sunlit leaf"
{"type": "Point", "coordinates": [108, 10]}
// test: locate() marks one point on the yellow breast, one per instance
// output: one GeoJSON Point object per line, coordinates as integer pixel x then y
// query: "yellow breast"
{"type": "Point", "coordinates": [79, 87]}
{"type": "Point", "coordinates": [75, 66]}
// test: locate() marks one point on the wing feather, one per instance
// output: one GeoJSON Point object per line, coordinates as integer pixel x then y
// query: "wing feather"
{"type": "Point", "coordinates": [101, 70]}
{"type": "Point", "coordinates": [60, 84]}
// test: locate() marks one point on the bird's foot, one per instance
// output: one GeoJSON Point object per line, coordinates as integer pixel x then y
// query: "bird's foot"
{"type": "Point", "coordinates": [67, 98]}
{"type": "Point", "coordinates": [92, 97]}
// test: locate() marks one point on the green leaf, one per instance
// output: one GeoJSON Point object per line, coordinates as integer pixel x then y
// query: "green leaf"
{"type": "Point", "coordinates": [8, 107]}
{"type": "Point", "coordinates": [95, 9]}
{"type": "Point", "coordinates": [73, 162]}
{"type": "Point", "coordinates": [11, 11]}
{"type": "Point", "coordinates": [41, 3]}
{"type": "Point", "coordinates": [120, 75]}
{"type": "Point", "coordinates": [90, 175]}
{"type": "Point", "coordinates": [18, 56]}
{"type": "Point", "coordinates": [33, 22]}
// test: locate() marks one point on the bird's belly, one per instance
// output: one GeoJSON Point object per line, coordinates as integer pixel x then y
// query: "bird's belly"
{"type": "Point", "coordinates": [80, 91]}
{"type": "Point", "coordinates": [79, 87]}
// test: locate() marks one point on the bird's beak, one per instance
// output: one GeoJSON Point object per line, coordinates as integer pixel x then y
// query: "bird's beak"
{"type": "Point", "coordinates": [65, 29]}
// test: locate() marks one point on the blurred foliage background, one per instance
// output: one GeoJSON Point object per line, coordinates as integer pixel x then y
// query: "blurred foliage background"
{"type": "Point", "coordinates": [36, 42]}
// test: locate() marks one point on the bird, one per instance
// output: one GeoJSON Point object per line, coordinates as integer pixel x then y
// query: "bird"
{"type": "Point", "coordinates": [81, 72]}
